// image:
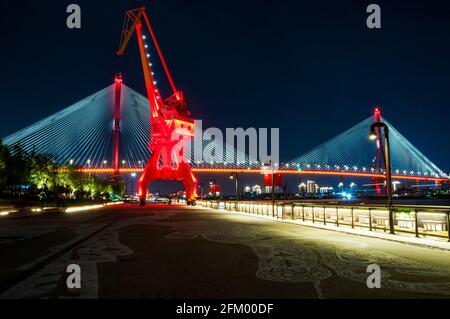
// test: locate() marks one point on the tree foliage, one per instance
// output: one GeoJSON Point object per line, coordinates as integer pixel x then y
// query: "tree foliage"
{"type": "Point", "coordinates": [33, 175]}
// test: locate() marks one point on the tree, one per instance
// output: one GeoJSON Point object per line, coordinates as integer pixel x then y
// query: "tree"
{"type": "Point", "coordinates": [31, 174]}
{"type": "Point", "coordinates": [17, 170]}
{"type": "Point", "coordinates": [4, 158]}
{"type": "Point", "coordinates": [71, 180]}
{"type": "Point", "coordinates": [43, 174]}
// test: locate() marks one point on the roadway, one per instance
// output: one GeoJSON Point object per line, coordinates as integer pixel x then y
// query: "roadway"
{"type": "Point", "coordinates": [164, 251]}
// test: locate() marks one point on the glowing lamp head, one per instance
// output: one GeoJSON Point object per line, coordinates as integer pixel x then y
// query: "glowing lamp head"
{"type": "Point", "coordinates": [372, 134]}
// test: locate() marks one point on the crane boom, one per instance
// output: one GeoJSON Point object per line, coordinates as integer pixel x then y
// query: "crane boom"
{"type": "Point", "coordinates": [132, 19]}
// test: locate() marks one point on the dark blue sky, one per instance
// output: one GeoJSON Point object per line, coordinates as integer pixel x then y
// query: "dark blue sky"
{"type": "Point", "coordinates": [313, 69]}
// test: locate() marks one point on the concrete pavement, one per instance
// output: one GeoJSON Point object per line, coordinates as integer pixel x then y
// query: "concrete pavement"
{"type": "Point", "coordinates": [183, 252]}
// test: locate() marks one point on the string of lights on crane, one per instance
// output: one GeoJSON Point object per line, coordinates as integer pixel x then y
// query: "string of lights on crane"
{"type": "Point", "coordinates": [150, 64]}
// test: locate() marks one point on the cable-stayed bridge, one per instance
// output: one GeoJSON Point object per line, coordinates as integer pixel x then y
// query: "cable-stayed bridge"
{"type": "Point", "coordinates": [117, 130]}
{"type": "Point", "coordinates": [83, 133]}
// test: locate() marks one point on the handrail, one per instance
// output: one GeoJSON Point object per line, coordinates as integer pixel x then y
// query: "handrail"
{"type": "Point", "coordinates": [419, 222]}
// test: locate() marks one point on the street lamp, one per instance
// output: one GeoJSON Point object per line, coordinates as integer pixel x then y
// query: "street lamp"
{"type": "Point", "coordinates": [212, 183]}
{"type": "Point", "coordinates": [133, 175]}
{"type": "Point", "coordinates": [235, 176]}
{"type": "Point", "coordinates": [89, 166]}
{"type": "Point", "coordinates": [387, 160]}
{"type": "Point", "coordinates": [203, 189]}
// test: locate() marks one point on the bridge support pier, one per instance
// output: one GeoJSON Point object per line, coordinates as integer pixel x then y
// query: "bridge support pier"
{"type": "Point", "coordinates": [116, 132]}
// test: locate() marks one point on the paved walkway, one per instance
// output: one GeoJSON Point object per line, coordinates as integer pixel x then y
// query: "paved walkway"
{"type": "Point", "coordinates": [179, 252]}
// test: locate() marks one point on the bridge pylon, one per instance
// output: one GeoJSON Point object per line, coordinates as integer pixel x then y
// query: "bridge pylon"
{"type": "Point", "coordinates": [116, 129]}
{"type": "Point", "coordinates": [379, 161]}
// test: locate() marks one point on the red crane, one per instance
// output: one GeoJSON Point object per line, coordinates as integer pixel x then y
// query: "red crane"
{"type": "Point", "coordinates": [171, 124]}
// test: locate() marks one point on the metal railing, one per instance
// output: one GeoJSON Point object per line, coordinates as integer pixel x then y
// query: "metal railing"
{"type": "Point", "coordinates": [418, 220]}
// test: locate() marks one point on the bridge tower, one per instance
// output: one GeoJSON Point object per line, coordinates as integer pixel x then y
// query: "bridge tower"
{"type": "Point", "coordinates": [171, 124]}
{"type": "Point", "coordinates": [116, 129]}
{"type": "Point", "coordinates": [379, 160]}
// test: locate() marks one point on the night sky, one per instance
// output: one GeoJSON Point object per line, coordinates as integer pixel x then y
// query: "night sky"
{"type": "Point", "coordinates": [311, 68]}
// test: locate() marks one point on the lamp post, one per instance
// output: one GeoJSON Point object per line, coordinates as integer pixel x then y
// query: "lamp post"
{"type": "Point", "coordinates": [387, 160]}
{"type": "Point", "coordinates": [213, 184]}
{"type": "Point", "coordinates": [133, 175]}
{"type": "Point", "coordinates": [235, 176]}
{"type": "Point", "coordinates": [273, 188]}
{"type": "Point", "coordinates": [203, 189]}
{"type": "Point", "coordinates": [89, 162]}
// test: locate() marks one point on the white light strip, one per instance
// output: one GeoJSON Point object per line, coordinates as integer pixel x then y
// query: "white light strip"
{"type": "Point", "coordinates": [114, 203]}
{"type": "Point", "coordinates": [90, 207]}
{"type": "Point", "coordinates": [82, 208]}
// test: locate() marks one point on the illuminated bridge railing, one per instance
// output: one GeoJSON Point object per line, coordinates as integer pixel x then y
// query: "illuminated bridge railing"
{"type": "Point", "coordinates": [418, 221]}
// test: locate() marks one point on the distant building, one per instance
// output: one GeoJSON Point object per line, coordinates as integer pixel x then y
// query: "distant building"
{"type": "Point", "coordinates": [312, 187]}
{"type": "Point", "coordinates": [268, 189]}
{"type": "Point", "coordinates": [326, 190]}
{"type": "Point", "coordinates": [302, 188]}
{"type": "Point", "coordinates": [396, 185]}
{"type": "Point", "coordinates": [256, 189]}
